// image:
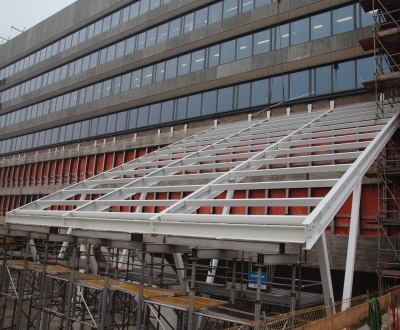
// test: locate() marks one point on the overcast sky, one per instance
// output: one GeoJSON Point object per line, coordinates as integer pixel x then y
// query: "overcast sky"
{"type": "Point", "coordinates": [26, 13]}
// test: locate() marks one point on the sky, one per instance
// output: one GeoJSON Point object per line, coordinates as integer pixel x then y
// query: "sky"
{"type": "Point", "coordinates": [26, 13]}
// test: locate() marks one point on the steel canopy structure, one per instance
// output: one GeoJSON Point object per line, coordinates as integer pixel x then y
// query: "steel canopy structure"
{"type": "Point", "coordinates": [325, 149]}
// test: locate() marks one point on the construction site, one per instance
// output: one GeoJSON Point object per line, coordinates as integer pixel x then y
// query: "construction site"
{"type": "Point", "coordinates": [259, 221]}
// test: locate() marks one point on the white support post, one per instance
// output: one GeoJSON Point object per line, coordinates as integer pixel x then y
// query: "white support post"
{"type": "Point", "coordinates": [268, 115]}
{"type": "Point", "coordinates": [325, 270]}
{"type": "Point", "coordinates": [332, 104]}
{"type": "Point", "coordinates": [309, 108]}
{"type": "Point", "coordinates": [249, 117]}
{"type": "Point", "coordinates": [352, 245]}
{"type": "Point", "coordinates": [288, 111]}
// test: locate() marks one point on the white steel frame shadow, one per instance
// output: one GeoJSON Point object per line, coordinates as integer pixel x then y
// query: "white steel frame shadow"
{"type": "Point", "coordinates": [331, 149]}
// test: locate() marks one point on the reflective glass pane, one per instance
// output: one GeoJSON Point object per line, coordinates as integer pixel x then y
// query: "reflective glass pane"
{"type": "Point", "coordinates": [94, 58]}
{"type": "Point", "coordinates": [111, 53]}
{"type": "Point", "coordinates": [151, 37]}
{"type": "Point", "coordinates": [213, 56]}
{"type": "Point", "coordinates": [299, 84]}
{"type": "Point", "coordinates": [198, 60]}
{"type": "Point", "coordinates": [343, 19]}
{"type": "Point", "coordinates": [64, 72]}
{"type": "Point", "coordinates": [89, 94]}
{"type": "Point", "coordinates": [244, 47]}
{"type": "Point", "coordinates": [102, 125]}
{"type": "Point", "coordinates": [141, 40]}
{"type": "Point", "coordinates": [106, 23]}
{"type": "Point", "coordinates": [247, 5]}
{"type": "Point", "coordinates": [143, 116]}
{"type": "Point", "coordinates": [125, 15]}
{"type": "Point", "coordinates": [130, 45]}
{"type": "Point", "coordinates": [75, 39]}
{"type": "Point", "coordinates": [85, 129]}
{"type": "Point", "coordinates": [53, 52]}
{"type": "Point", "coordinates": [97, 27]}
{"type": "Point", "coordinates": [259, 92]}
{"type": "Point", "coordinates": [201, 18]}
{"type": "Point", "coordinates": [175, 28]}
{"type": "Point", "coordinates": [367, 18]}
{"type": "Point", "coordinates": [106, 88]}
{"type": "Point", "coordinates": [154, 4]}
{"type": "Point", "coordinates": [167, 113]}
{"type": "Point", "coordinates": [116, 85]}
{"type": "Point", "coordinates": [136, 79]}
{"type": "Point", "coordinates": [93, 126]}
{"type": "Point", "coordinates": [343, 76]}
{"type": "Point", "coordinates": [91, 31]}
{"type": "Point", "coordinates": [300, 31]}
{"type": "Point", "coordinates": [68, 132]}
{"type": "Point", "coordinates": [260, 3]}
{"type": "Point", "coordinates": [181, 108]}
{"type": "Point", "coordinates": [126, 82]}
{"type": "Point", "coordinates": [74, 99]}
{"type": "Point", "coordinates": [111, 123]}
{"type": "Point", "coordinates": [103, 56]}
{"type": "Point", "coordinates": [320, 26]}
{"type": "Point", "coordinates": [134, 12]}
{"type": "Point", "coordinates": [98, 88]}
{"type": "Point", "coordinates": [209, 105]}
{"type": "Point", "coordinates": [85, 63]}
{"type": "Point", "coordinates": [160, 70]}
{"type": "Point", "coordinates": [155, 114]}
{"type": "Point", "coordinates": [71, 69]}
{"type": "Point", "coordinates": [225, 99]}
{"type": "Point", "coordinates": [147, 76]}
{"type": "Point", "coordinates": [230, 8]}
{"type": "Point", "coordinates": [133, 118]}
{"type": "Point", "coordinates": [215, 13]}
{"type": "Point", "coordinates": [78, 66]}
{"type": "Point", "coordinates": [189, 23]}
{"type": "Point", "coordinates": [184, 64]}
{"type": "Point", "coordinates": [228, 51]}
{"type": "Point", "coordinates": [54, 135]}
{"type": "Point", "coordinates": [77, 131]}
{"type": "Point", "coordinates": [66, 101]}
{"type": "Point", "coordinates": [275, 89]}
{"type": "Point", "coordinates": [144, 6]}
{"type": "Point", "coordinates": [120, 49]}
{"type": "Point", "coordinates": [115, 19]}
{"type": "Point", "coordinates": [162, 32]}
{"type": "Point", "coordinates": [194, 106]}
{"type": "Point", "coordinates": [323, 82]}
{"type": "Point", "coordinates": [121, 121]}
{"type": "Point", "coordinates": [82, 35]}
{"type": "Point", "coordinates": [365, 70]}
{"type": "Point", "coordinates": [282, 34]}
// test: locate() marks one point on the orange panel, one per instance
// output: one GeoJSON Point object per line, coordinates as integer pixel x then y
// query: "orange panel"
{"type": "Point", "coordinates": [298, 193]}
{"type": "Point", "coordinates": [163, 195]}
{"type": "Point", "coordinates": [130, 155]}
{"type": "Point", "coordinates": [52, 172]}
{"type": "Point", "coordinates": [45, 173]}
{"type": "Point", "coordinates": [74, 169]}
{"type": "Point", "coordinates": [99, 163]}
{"type": "Point", "coordinates": [33, 174]}
{"type": "Point", "coordinates": [1, 176]}
{"type": "Point", "coordinates": [141, 152]}
{"type": "Point", "coordinates": [277, 193]}
{"type": "Point", "coordinates": [119, 158]}
{"type": "Point", "coordinates": [14, 179]}
{"type": "Point", "coordinates": [59, 172]}
{"type": "Point", "coordinates": [219, 209]}
{"type": "Point", "coordinates": [149, 209]}
{"type": "Point", "coordinates": [66, 175]}
{"type": "Point", "coordinates": [38, 175]}
{"type": "Point", "coordinates": [239, 209]}
{"type": "Point", "coordinates": [109, 161]}
{"type": "Point", "coordinates": [82, 168]}
{"type": "Point", "coordinates": [256, 209]}
{"type": "Point", "coordinates": [342, 218]}
{"type": "Point", "coordinates": [90, 166]}
{"type": "Point", "coordinates": [368, 210]}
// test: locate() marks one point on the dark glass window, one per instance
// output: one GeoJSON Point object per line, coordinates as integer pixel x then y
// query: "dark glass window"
{"type": "Point", "coordinates": [111, 53]}
{"type": "Point", "coordinates": [115, 19]}
{"type": "Point", "coordinates": [230, 8]}
{"type": "Point", "coordinates": [82, 35]}
{"type": "Point", "coordinates": [126, 82]}
{"type": "Point", "coordinates": [247, 5]}
{"type": "Point", "coordinates": [121, 121]}
{"type": "Point", "coordinates": [184, 64]}
{"type": "Point", "coordinates": [260, 3]}
{"type": "Point", "coordinates": [75, 39]}
{"type": "Point", "coordinates": [125, 15]}
{"type": "Point", "coordinates": [42, 135]}
{"type": "Point", "coordinates": [48, 54]}
{"type": "Point", "coordinates": [228, 51]}
{"type": "Point", "coordinates": [103, 56]}
{"type": "Point", "coordinates": [147, 76]}
{"type": "Point", "coordinates": [85, 129]}
{"type": "Point", "coordinates": [59, 103]}
{"type": "Point", "coordinates": [170, 68]}
{"type": "Point", "coordinates": [74, 99]}
{"type": "Point", "coordinates": [198, 60]}
{"type": "Point", "coordinates": [320, 26]}
{"type": "Point", "coordinates": [106, 23]}
{"type": "Point", "coordinates": [53, 52]}
{"type": "Point", "coordinates": [133, 114]}
{"type": "Point", "coordinates": [120, 49]}
{"type": "Point", "coordinates": [181, 108]}
{"type": "Point", "coordinates": [282, 39]}
{"type": "Point", "coordinates": [89, 94]}
{"type": "Point", "coordinates": [93, 126]}
{"type": "Point", "coordinates": [134, 12]}
{"type": "Point", "coordinates": [68, 41]}
{"type": "Point", "coordinates": [136, 79]}
{"type": "Point", "coordinates": [54, 135]}
{"type": "Point", "coordinates": [194, 106]}
{"type": "Point", "coordinates": [259, 92]}
{"type": "Point", "coordinates": [343, 76]}
{"type": "Point", "coordinates": [189, 23]}
{"type": "Point", "coordinates": [343, 19]}
{"type": "Point", "coordinates": [53, 105]}
{"type": "Point", "coordinates": [61, 136]}
{"type": "Point", "coordinates": [91, 31]}
{"type": "Point", "coordinates": [154, 4]}
{"type": "Point", "coordinates": [162, 32]}
{"type": "Point", "coordinates": [300, 31]}
{"type": "Point", "coordinates": [367, 18]}
{"type": "Point", "coordinates": [49, 80]}
{"type": "Point", "coordinates": [201, 18]}
{"type": "Point", "coordinates": [71, 68]}
{"type": "Point", "coordinates": [116, 85]}
{"type": "Point", "coordinates": [78, 66]}
{"type": "Point", "coordinates": [225, 99]}
{"type": "Point", "coordinates": [323, 82]}
{"type": "Point", "coordinates": [155, 114]}
{"type": "Point", "coordinates": [175, 28]}
{"type": "Point", "coordinates": [277, 93]}
{"type": "Point", "coordinates": [213, 56]}
{"type": "Point", "coordinates": [85, 63]}
{"type": "Point", "coordinates": [68, 132]}
{"type": "Point", "coordinates": [98, 88]}
{"type": "Point", "coordinates": [160, 70]}
{"type": "Point", "coordinates": [143, 116]}
{"type": "Point", "coordinates": [38, 82]}
{"type": "Point", "coordinates": [94, 59]}
{"type": "Point", "coordinates": [111, 122]}
{"type": "Point", "coordinates": [130, 45]}
{"type": "Point", "coordinates": [66, 101]}
{"type": "Point", "coordinates": [244, 47]}
{"type": "Point", "coordinates": [102, 126]}
{"type": "Point", "coordinates": [141, 40]}
{"type": "Point", "coordinates": [215, 13]}
{"type": "Point", "coordinates": [106, 88]}
{"type": "Point", "coordinates": [57, 73]}
{"type": "Point", "coordinates": [77, 131]}
{"type": "Point", "coordinates": [299, 84]}
{"type": "Point", "coordinates": [144, 6]}
{"type": "Point", "coordinates": [365, 70]}
{"type": "Point", "coordinates": [167, 113]}
{"type": "Point", "coordinates": [151, 37]}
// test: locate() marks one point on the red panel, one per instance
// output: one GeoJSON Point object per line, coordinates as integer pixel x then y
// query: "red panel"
{"type": "Point", "coordinates": [256, 194]}
{"type": "Point", "coordinates": [368, 210]}
{"type": "Point", "coordinates": [140, 152]}
{"type": "Point", "coordinates": [45, 174]}
{"type": "Point", "coordinates": [38, 174]}
{"type": "Point", "coordinates": [26, 175]}
{"type": "Point", "coordinates": [109, 161]}
{"type": "Point", "coordinates": [99, 163]}
{"type": "Point", "coordinates": [58, 174]}
{"type": "Point", "coordinates": [239, 209]}
{"type": "Point", "coordinates": [1, 206]}
{"type": "Point", "coordinates": [82, 168]}
{"type": "Point", "coordinates": [342, 218]}
{"type": "Point", "coordinates": [10, 176]}
{"type": "Point", "coordinates": [119, 158]}
{"type": "Point", "coordinates": [33, 174]}
{"type": "Point", "coordinates": [14, 182]}
{"type": "Point", "coordinates": [219, 209]}
{"type": "Point", "coordinates": [130, 155]}
{"type": "Point", "coordinates": [277, 193]}
{"type": "Point", "coordinates": [2, 171]}
{"type": "Point", "coordinates": [74, 169]}
{"type": "Point", "coordinates": [90, 167]}
{"type": "Point", "coordinates": [149, 209]}
{"type": "Point", "coordinates": [319, 192]}
{"type": "Point", "coordinates": [151, 149]}
{"type": "Point", "coordinates": [298, 193]}
{"type": "Point", "coordinates": [66, 175]}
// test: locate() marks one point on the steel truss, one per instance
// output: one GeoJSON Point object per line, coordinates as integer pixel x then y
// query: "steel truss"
{"type": "Point", "coordinates": [331, 149]}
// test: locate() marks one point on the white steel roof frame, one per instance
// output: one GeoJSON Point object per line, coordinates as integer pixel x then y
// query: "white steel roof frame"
{"type": "Point", "coordinates": [276, 137]}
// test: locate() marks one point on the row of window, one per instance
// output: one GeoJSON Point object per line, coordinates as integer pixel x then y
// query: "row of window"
{"type": "Point", "coordinates": [138, 8]}
{"type": "Point", "coordinates": [226, 52]}
{"type": "Point", "coordinates": [216, 12]}
{"type": "Point", "coordinates": [343, 76]}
